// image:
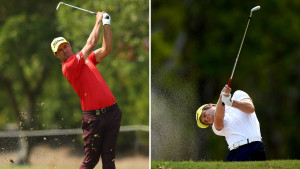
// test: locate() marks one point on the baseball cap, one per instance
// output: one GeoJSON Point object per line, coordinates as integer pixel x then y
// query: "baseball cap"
{"type": "Point", "coordinates": [198, 114]}
{"type": "Point", "coordinates": [56, 42]}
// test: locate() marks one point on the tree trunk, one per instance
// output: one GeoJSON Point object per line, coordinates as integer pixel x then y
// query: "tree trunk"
{"type": "Point", "coordinates": [24, 151]}
{"type": "Point", "coordinates": [26, 143]}
{"type": "Point", "coordinates": [25, 120]}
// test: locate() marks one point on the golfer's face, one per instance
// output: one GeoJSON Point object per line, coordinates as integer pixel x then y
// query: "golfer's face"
{"type": "Point", "coordinates": [64, 50]}
{"type": "Point", "coordinates": [207, 116]}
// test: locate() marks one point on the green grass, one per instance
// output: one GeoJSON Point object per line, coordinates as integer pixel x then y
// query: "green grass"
{"type": "Point", "coordinates": [274, 164]}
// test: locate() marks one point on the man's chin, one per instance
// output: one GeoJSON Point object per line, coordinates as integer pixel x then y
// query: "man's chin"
{"type": "Point", "coordinates": [67, 56]}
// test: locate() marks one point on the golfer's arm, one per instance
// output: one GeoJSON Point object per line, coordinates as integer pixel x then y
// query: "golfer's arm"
{"type": "Point", "coordinates": [245, 105]}
{"type": "Point", "coordinates": [219, 115]}
{"type": "Point", "coordinates": [105, 50]}
{"type": "Point", "coordinates": [92, 40]}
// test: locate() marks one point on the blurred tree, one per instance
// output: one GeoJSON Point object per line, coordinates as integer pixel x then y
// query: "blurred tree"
{"type": "Point", "coordinates": [24, 69]}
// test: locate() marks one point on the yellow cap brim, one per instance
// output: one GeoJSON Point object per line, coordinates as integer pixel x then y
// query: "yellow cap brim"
{"type": "Point", "coordinates": [198, 115]}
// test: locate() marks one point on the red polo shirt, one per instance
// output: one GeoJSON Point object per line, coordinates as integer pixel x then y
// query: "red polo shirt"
{"type": "Point", "coordinates": [87, 82]}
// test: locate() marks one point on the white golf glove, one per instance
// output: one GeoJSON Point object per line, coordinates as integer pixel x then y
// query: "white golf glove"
{"type": "Point", "coordinates": [226, 99]}
{"type": "Point", "coordinates": [106, 19]}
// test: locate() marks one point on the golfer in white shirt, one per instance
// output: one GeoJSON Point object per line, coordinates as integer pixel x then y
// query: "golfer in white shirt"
{"type": "Point", "coordinates": [237, 121]}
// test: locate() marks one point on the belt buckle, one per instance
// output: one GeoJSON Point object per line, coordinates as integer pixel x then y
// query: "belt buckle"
{"type": "Point", "coordinates": [97, 112]}
{"type": "Point", "coordinates": [103, 110]}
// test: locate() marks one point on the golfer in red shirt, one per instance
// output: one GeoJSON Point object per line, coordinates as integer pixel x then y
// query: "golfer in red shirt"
{"type": "Point", "coordinates": [101, 115]}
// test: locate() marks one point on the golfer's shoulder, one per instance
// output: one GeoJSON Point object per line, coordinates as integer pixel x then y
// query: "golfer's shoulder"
{"type": "Point", "coordinates": [239, 94]}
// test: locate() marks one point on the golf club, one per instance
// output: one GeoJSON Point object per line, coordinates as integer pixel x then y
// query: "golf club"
{"type": "Point", "coordinates": [230, 79]}
{"type": "Point", "coordinates": [107, 17]}
{"type": "Point", "coordinates": [252, 10]}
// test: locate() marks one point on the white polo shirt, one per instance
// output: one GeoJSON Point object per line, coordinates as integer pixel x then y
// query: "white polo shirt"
{"type": "Point", "coordinates": [237, 124]}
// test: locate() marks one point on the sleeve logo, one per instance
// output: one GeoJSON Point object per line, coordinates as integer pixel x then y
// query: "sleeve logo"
{"type": "Point", "coordinates": [78, 57]}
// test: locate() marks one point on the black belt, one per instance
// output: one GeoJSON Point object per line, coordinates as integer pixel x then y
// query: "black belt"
{"type": "Point", "coordinates": [103, 110]}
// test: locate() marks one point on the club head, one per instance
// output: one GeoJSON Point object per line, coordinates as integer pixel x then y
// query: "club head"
{"type": "Point", "coordinates": [255, 8]}
{"type": "Point", "coordinates": [58, 5]}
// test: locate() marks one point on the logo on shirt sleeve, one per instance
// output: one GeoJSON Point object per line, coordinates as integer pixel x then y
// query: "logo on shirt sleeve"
{"type": "Point", "coordinates": [78, 57]}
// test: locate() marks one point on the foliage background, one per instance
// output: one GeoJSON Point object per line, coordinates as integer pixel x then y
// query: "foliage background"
{"type": "Point", "coordinates": [193, 48]}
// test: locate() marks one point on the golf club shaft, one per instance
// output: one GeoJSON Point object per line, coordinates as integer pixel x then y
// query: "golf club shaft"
{"type": "Point", "coordinates": [230, 79]}
{"type": "Point", "coordinates": [79, 8]}
{"type": "Point", "coordinates": [237, 58]}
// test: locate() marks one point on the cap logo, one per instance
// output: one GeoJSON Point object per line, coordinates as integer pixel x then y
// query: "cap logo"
{"type": "Point", "coordinates": [57, 41]}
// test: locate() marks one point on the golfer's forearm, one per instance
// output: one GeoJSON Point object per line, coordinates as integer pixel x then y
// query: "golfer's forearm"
{"type": "Point", "coordinates": [107, 40]}
{"type": "Point", "coordinates": [244, 106]}
{"type": "Point", "coordinates": [220, 109]}
{"type": "Point", "coordinates": [94, 36]}
{"type": "Point", "coordinates": [219, 115]}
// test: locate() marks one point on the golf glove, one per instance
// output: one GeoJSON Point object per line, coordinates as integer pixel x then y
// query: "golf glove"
{"type": "Point", "coordinates": [106, 19]}
{"type": "Point", "coordinates": [226, 100]}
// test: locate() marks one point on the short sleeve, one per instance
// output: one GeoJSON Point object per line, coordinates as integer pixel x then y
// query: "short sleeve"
{"type": "Point", "coordinates": [221, 132]}
{"type": "Point", "coordinates": [217, 132]}
{"type": "Point", "coordinates": [240, 95]}
{"type": "Point", "coordinates": [92, 58]}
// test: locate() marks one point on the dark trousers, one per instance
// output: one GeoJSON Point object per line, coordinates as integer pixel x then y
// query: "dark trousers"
{"type": "Point", "coordinates": [254, 151]}
{"type": "Point", "coordinates": [100, 134]}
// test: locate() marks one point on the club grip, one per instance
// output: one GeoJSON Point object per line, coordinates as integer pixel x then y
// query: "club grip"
{"type": "Point", "coordinates": [229, 82]}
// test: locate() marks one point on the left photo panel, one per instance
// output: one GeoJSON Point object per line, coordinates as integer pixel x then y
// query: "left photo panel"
{"type": "Point", "coordinates": [75, 84]}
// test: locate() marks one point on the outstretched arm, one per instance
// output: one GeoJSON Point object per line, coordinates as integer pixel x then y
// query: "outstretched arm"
{"type": "Point", "coordinates": [105, 50]}
{"type": "Point", "coordinates": [93, 38]}
{"type": "Point", "coordinates": [219, 115]}
{"type": "Point", "coordinates": [220, 110]}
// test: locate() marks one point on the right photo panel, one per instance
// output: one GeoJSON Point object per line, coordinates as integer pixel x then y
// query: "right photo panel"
{"type": "Point", "coordinates": [225, 84]}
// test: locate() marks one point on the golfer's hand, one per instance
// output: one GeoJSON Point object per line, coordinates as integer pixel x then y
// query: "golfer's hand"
{"type": "Point", "coordinates": [226, 96]}
{"type": "Point", "coordinates": [106, 19]}
{"type": "Point", "coordinates": [226, 99]}
{"type": "Point", "coordinates": [226, 89]}
{"type": "Point", "coordinates": [99, 16]}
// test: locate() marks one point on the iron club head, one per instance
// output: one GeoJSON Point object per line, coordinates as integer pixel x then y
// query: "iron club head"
{"type": "Point", "coordinates": [255, 8]}
{"type": "Point", "coordinates": [75, 7]}
{"type": "Point", "coordinates": [58, 5]}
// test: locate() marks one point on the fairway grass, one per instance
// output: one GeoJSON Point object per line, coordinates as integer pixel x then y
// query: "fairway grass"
{"type": "Point", "coordinates": [274, 164]}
